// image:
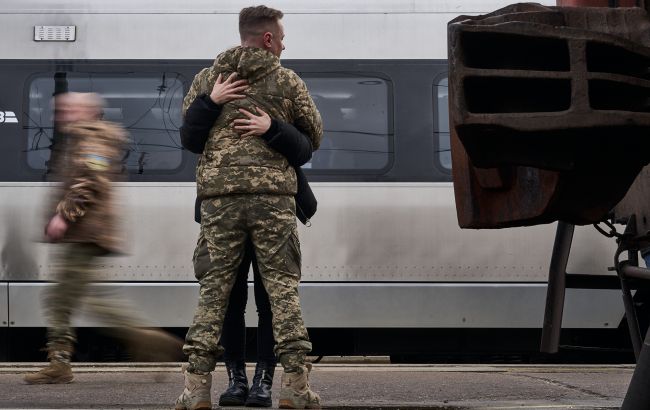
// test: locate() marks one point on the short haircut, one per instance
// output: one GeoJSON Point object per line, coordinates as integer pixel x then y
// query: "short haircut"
{"type": "Point", "coordinates": [257, 20]}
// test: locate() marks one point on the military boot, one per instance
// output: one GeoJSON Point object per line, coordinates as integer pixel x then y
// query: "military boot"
{"type": "Point", "coordinates": [295, 392]}
{"type": "Point", "coordinates": [237, 391]}
{"type": "Point", "coordinates": [58, 371]}
{"type": "Point", "coordinates": [196, 395]}
{"type": "Point", "coordinates": [260, 393]}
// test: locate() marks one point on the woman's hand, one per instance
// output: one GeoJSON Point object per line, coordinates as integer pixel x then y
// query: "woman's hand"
{"type": "Point", "coordinates": [252, 125]}
{"type": "Point", "coordinates": [225, 91]}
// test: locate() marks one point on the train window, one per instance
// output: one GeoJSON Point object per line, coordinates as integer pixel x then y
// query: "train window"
{"type": "Point", "coordinates": [442, 124]}
{"type": "Point", "coordinates": [148, 106]}
{"type": "Point", "coordinates": [357, 120]}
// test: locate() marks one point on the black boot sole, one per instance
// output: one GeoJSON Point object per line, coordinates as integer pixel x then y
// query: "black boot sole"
{"type": "Point", "coordinates": [231, 401]}
{"type": "Point", "coordinates": [258, 403]}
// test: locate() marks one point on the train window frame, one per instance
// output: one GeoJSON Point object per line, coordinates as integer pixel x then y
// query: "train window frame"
{"type": "Point", "coordinates": [399, 74]}
{"type": "Point", "coordinates": [390, 107]}
{"type": "Point", "coordinates": [100, 69]}
{"type": "Point", "coordinates": [437, 149]}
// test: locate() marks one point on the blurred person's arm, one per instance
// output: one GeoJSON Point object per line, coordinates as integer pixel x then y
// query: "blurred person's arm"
{"type": "Point", "coordinates": [82, 194]}
{"type": "Point", "coordinates": [91, 174]}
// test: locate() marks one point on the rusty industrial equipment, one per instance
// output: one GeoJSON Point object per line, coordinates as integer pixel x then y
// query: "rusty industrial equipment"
{"type": "Point", "coordinates": [600, 3]}
{"type": "Point", "coordinates": [550, 121]}
{"type": "Point", "coordinates": [549, 112]}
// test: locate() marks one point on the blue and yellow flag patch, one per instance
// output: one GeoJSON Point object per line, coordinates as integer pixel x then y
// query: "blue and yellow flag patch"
{"type": "Point", "coordinates": [97, 162]}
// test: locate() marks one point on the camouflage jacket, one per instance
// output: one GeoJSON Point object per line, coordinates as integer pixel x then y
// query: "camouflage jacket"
{"type": "Point", "coordinates": [234, 165]}
{"type": "Point", "coordinates": [91, 162]}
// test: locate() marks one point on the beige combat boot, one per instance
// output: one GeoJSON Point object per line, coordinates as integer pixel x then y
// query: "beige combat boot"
{"type": "Point", "coordinates": [196, 395]}
{"type": "Point", "coordinates": [295, 392]}
{"type": "Point", "coordinates": [58, 371]}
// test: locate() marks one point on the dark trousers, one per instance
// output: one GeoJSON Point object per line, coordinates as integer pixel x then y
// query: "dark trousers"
{"type": "Point", "coordinates": [233, 338]}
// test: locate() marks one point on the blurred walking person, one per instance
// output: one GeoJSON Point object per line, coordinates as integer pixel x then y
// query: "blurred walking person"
{"type": "Point", "coordinates": [84, 224]}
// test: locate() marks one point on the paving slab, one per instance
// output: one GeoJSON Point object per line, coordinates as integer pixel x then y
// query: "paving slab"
{"type": "Point", "coordinates": [344, 386]}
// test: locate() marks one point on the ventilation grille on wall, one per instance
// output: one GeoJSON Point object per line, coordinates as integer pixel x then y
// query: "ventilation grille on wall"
{"type": "Point", "coordinates": [55, 33]}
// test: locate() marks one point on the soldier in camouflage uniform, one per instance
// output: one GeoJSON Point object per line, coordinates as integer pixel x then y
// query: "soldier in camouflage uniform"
{"type": "Point", "coordinates": [84, 223]}
{"type": "Point", "coordinates": [247, 191]}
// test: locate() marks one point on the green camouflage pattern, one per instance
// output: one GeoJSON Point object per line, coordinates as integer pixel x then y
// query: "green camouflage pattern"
{"type": "Point", "coordinates": [91, 162]}
{"type": "Point", "coordinates": [76, 269]}
{"type": "Point", "coordinates": [231, 164]}
{"type": "Point", "coordinates": [226, 223]}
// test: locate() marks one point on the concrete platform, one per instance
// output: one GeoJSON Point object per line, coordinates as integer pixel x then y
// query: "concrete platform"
{"type": "Point", "coordinates": [344, 386]}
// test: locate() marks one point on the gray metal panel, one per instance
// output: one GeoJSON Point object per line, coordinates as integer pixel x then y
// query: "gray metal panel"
{"type": "Point", "coordinates": [165, 36]}
{"type": "Point", "coordinates": [395, 305]}
{"type": "Point", "coordinates": [25, 304]}
{"type": "Point", "coordinates": [160, 30]}
{"type": "Point", "coordinates": [4, 304]}
{"type": "Point", "coordinates": [452, 306]}
{"type": "Point", "coordinates": [158, 304]}
{"type": "Point", "coordinates": [234, 6]}
{"type": "Point", "coordinates": [363, 232]}
{"type": "Point", "coordinates": [408, 232]}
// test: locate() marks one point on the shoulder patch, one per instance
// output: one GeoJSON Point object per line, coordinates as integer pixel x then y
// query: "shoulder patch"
{"type": "Point", "coordinates": [96, 162]}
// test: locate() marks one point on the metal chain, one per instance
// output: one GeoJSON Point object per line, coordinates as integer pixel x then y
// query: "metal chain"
{"type": "Point", "coordinates": [613, 233]}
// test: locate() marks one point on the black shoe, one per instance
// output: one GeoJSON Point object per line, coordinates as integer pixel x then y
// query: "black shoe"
{"type": "Point", "coordinates": [237, 391]}
{"type": "Point", "coordinates": [260, 394]}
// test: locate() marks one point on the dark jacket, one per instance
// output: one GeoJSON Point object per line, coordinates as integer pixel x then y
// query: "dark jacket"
{"type": "Point", "coordinates": [281, 137]}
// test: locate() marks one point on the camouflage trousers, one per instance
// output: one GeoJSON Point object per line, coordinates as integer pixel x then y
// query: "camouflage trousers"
{"type": "Point", "coordinates": [76, 270]}
{"type": "Point", "coordinates": [226, 223]}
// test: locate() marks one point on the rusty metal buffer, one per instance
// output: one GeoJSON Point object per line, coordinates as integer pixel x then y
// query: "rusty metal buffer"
{"type": "Point", "coordinates": [549, 112]}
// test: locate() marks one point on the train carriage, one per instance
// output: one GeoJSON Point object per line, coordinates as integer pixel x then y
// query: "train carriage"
{"type": "Point", "coordinates": [386, 269]}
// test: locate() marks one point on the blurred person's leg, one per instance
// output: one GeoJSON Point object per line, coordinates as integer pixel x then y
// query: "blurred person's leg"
{"type": "Point", "coordinates": [74, 270]}
{"type": "Point", "coordinates": [217, 259]}
{"type": "Point", "coordinates": [122, 320]}
{"type": "Point", "coordinates": [109, 308]}
{"type": "Point", "coordinates": [277, 248]}
{"type": "Point", "coordinates": [233, 337]}
{"type": "Point", "coordinates": [260, 392]}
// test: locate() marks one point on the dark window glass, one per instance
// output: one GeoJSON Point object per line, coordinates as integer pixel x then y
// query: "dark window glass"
{"type": "Point", "coordinates": [147, 106]}
{"type": "Point", "coordinates": [357, 122]}
{"type": "Point", "coordinates": [442, 125]}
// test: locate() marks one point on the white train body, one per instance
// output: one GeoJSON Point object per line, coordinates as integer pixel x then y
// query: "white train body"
{"type": "Point", "coordinates": [384, 249]}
